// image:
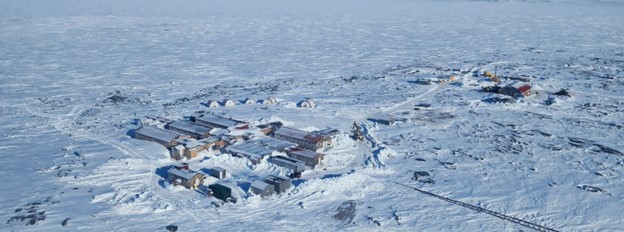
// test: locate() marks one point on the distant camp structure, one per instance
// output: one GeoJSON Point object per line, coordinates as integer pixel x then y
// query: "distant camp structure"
{"type": "Point", "coordinates": [270, 101]}
{"type": "Point", "coordinates": [307, 103]}
{"type": "Point", "coordinates": [212, 104]}
{"type": "Point", "coordinates": [228, 103]}
{"type": "Point", "coordinates": [181, 175]}
{"type": "Point", "coordinates": [249, 101]}
{"type": "Point", "coordinates": [517, 89]}
{"type": "Point", "coordinates": [307, 140]}
{"type": "Point", "coordinates": [357, 134]}
{"type": "Point", "coordinates": [492, 76]}
{"type": "Point", "coordinates": [217, 172]}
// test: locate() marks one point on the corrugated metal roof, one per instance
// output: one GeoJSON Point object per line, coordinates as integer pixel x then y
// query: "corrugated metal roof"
{"type": "Point", "coordinates": [256, 149]}
{"type": "Point", "coordinates": [523, 87]}
{"type": "Point", "coordinates": [290, 161]}
{"type": "Point", "coordinates": [211, 139]}
{"type": "Point", "coordinates": [190, 143]}
{"type": "Point", "coordinates": [260, 185]}
{"type": "Point", "coordinates": [186, 174]}
{"type": "Point", "coordinates": [305, 153]}
{"type": "Point", "coordinates": [189, 126]}
{"type": "Point", "coordinates": [219, 121]}
{"type": "Point", "coordinates": [298, 134]}
{"type": "Point", "coordinates": [157, 133]}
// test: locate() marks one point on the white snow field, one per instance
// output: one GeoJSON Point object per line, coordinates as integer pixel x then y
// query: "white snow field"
{"type": "Point", "coordinates": [77, 76]}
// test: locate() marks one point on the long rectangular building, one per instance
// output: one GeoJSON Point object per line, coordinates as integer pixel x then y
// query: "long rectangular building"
{"type": "Point", "coordinates": [296, 166]}
{"type": "Point", "coordinates": [302, 138]}
{"type": "Point", "coordinates": [189, 128]}
{"type": "Point", "coordinates": [310, 158]}
{"type": "Point", "coordinates": [217, 121]}
{"type": "Point", "coordinates": [164, 137]}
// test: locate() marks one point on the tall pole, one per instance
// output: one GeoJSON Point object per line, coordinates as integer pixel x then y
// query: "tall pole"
{"type": "Point", "coordinates": [495, 69]}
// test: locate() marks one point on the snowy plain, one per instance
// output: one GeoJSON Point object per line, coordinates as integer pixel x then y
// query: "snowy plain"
{"type": "Point", "coordinates": [66, 155]}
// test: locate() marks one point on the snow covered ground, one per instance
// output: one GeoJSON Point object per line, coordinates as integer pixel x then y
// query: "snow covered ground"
{"type": "Point", "coordinates": [76, 76]}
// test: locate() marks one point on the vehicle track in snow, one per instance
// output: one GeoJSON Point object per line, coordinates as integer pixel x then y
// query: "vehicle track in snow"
{"type": "Point", "coordinates": [131, 184]}
{"type": "Point", "coordinates": [376, 147]}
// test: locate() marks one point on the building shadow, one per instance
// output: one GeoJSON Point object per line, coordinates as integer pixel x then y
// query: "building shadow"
{"type": "Point", "coordinates": [162, 171]}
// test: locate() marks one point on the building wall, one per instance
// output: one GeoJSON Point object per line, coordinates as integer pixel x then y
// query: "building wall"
{"type": "Point", "coordinates": [191, 183]}
{"type": "Point", "coordinates": [176, 154]}
{"type": "Point", "coordinates": [301, 143]}
{"type": "Point", "coordinates": [190, 153]}
{"type": "Point", "coordinates": [308, 161]}
{"type": "Point", "coordinates": [263, 192]}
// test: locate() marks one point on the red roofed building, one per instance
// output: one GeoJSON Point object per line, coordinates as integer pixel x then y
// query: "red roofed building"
{"type": "Point", "coordinates": [518, 89]}
{"type": "Point", "coordinates": [302, 138]}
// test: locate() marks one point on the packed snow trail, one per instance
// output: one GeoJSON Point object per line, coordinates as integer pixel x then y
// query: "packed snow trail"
{"type": "Point", "coordinates": [480, 209]}
{"type": "Point", "coordinates": [428, 93]}
{"type": "Point", "coordinates": [376, 148]}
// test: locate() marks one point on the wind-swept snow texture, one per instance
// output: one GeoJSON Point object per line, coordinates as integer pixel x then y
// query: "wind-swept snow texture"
{"type": "Point", "coordinates": [76, 77]}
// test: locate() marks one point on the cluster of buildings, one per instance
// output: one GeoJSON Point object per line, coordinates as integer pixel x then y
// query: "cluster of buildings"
{"type": "Point", "coordinates": [519, 87]}
{"type": "Point", "coordinates": [287, 147]}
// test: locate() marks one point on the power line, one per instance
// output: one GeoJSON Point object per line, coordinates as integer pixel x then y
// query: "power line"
{"type": "Point", "coordinates": [515, 220]}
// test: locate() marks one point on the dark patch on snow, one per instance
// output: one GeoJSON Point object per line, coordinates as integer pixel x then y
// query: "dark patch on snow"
{"type": "Point", "coordinates": [329, 176]}
{"type": "Point", "coordinates": [562, 92]}
{"type": "Point", "coordinates": [585, 143]}
{"type": "Point", "coordinates": [419, 174]}
{"type": "Point", "coordinates": [592, 189]}
{"type": "Point", "coordinates": [162, 171]}
{"type": "Point", "coordinates": [171, 228]}
{"type": "Point", "coordinates": [373, 220]}
{"type": "Point", "coordinates": [30, 212]}
{"type": "Point", "coordinates": [64, 223]}
{"type": "Point", "coordinates": [117, 97]}
{"type": "Point", "coordinates": [346, 212]}
{"type": "Point", "coordinates": [499, 99]}
{"type": "Point", "coordinates": [491, 89]}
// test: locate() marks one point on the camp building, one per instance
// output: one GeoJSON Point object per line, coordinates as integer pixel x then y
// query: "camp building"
{"type": "Point", "coordinates": [310, 158]}
{"type": "Point", "coordinates": [214, 121]}
{"type": "Point", "coordinates": [189, 128]}
{"type": "Point", "coordinates": [185, 177]}
{"type": "Point", "coordinates": [304, 139]}
{"type": "Point", "coordinates": [262, 188]}
{"type": "Point", "coordinates": [164, 137]}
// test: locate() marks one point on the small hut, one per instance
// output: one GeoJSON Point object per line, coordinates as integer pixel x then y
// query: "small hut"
{"type": "Point", "coordinates": [279, 183]}
{"type": "Point", "coordinates": [212, 104]}
{"type": "Point", "coordinates": [249, 101]}
{"type": "Point", "coordinates": [270, 101]}
{"type": "Point", "coordinates": [217, 172]}
{"type": "Point", "coordinates": [307, 103]}
{"type": "Point", "coordinates": [297, 166]}
{"type": "Point", "coordinates": [181, 175]}
{"type": "Point", "coordinates": [262, 188]}
{"type": "Point", "coordinates": [517, 89]}
{"type": "Point", "coordinates": [220, 191]}
{"type": "Point", "coordinates": [228, 103]}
